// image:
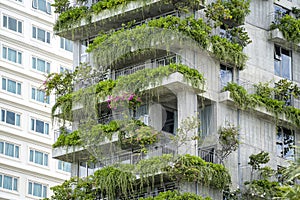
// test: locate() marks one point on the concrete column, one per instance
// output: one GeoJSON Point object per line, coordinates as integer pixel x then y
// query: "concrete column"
{"type": "Point", "coordinates": [187, 107]}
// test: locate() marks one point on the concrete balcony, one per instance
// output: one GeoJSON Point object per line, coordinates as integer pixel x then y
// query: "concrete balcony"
{"type": "Point", "coordinates": [276, 36]}
{"type": "Point", "coordinates": [113, 18]}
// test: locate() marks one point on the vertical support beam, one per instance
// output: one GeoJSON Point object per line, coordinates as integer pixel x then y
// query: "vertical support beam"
{"type": "Point", "coordinates": [187, 107]}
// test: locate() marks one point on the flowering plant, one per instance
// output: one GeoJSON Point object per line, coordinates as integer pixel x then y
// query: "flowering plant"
{"type": "Point", "coordinates": [132, 100]}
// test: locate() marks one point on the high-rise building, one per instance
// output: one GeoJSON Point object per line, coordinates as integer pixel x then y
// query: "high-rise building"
{"type": "Point", "coordinates": [151, 56]}
{"type": "Point", "coordinates": [29, 51]}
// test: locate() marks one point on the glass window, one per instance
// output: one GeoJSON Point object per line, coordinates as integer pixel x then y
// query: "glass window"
{"type": "Point", "coordinates": [8, 182]}
{"type": "Point", "coordinates": [66, 44]}
{"type": "Point", "coordinates": [39, 126]}
{"type": "Point", "coordinates": [283, 62]}
{"type": "Point", "coordinates": [41, 34]}
{"type": "Point", "coordinates": [279, 12]}
{"type": "Point", "coordinates": [37, 189]}
{"type": "Point", "coordinates": [11, 86]}
{"type": "Point", "coordinates": [42, 5]}
{"type": "Point", "coordinates": [11, 55]}
{"type": "Point", "coordinates": [285, 143]}
{"type": "Point", "coordinates": [205, 120]}
{"type": "Point", "coordinates": [40, 65]}
{"type": "Point", "coordinates": [9, 149]}
{"type": "Point", "coordinates": [38, 157]}
{"type": "Point", "coordinates": [10, 117]}
{"type": "Point", "coordinates": [12, 24]}
{"type": "Point", "coordinates": [64, 166]}
{"type": "Point", "coordinates": [39, 95]}
{"type": "Point", "coordinates": [226, 75]}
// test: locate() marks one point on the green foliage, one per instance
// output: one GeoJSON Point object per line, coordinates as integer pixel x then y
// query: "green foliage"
{"type": "Point", "coordinates": [290, 28]}
{"type": "Point", "coordinates": [230, 13]}
{"type": "Point", "coordinates": [104, 88]}
{"type": "Point", "coordinates": [65, 104]}
{"type": "Point", "coordinates": [112, 182]}
{"type": "Point", "coordinates": [175, 195]}
{"type": "Point", "coordinates": [264, 97]}
{"type": "Point", "coordinates": [257, 159]}
{"type": "Point", "coordinates": [68, 139]}
{"type": "Point", "coordinates": [228, 52]}
{"type": "Point", "coordinates": [296, 12]}
{"type": "Point", "coordinates": [262, 189]}
{"type": "Point", "coordinates": [195, 28]}
{"type": "Point", "coordinates": [194, 169]}
{"type": "Point", "coordinates": [61, 5]}
{"type": "Point", "coordinates": [71, 17]}
{"type": "Point", "coordinates": [121, 180]}
{"type": "Point", "coordinates": [228, 139]}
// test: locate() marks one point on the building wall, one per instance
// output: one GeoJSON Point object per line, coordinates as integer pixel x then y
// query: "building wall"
{"type": "Point", "coordinates": [22, 136]}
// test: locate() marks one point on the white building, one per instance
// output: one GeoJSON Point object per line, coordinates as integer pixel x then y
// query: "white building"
{"type": "Point", "coordinates": [29, 50]}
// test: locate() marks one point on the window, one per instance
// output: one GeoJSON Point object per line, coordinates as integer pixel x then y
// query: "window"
{"type": "Point", "coordinates": [8, 182]}
{"type": "Point", "coordinates": [283, 62]}
{"type": "Point", "coordinates": [39, 96]}
{"type": "Point", "coordinates": [279, 12]}
{"type": "Point", "coordinates": [19, 0]}
{"type": "Point", "coordinates": [64, 69]}
{"type": "Point", "coordinates": [170, 125]}
{"type": "Point", "coordinates": [10, 117]}
{"type": "Point", "coordinates": [207, 154]}
{"type": "Point", "coordinates": [66, 44]}
{"type": "Point", "coordinates": [226, 75]}
{"type": "Point", "coordinates": [12, 24]}
{"type": "Point", "coordinates": [11, 86]}
{"type": "Point", "coordinates": [37, 189]}
{"type": "Point", "coordinates": [42, 5]}
{"type": "Point", "coordinates": [9, 149]}
{"type": "Point", "coordinates": [64, 166]}
{"type": "Point", "coordinates": [285, 143]}
{"type": "Point", "coordinates": [40, 34]}
{"type": "Point", "coordinates": [40, 65]}
{"type": "Point", "coordinates": [38, 157]}
{"type": "Point", "coordinates": [39, 126]}
{"type": "Point", "coordinates": [206, 120]}
{"type": "Point", "coordinates": [11, 55]}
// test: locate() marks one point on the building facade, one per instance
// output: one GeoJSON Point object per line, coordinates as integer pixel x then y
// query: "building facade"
{"type": "Point", "coordinates": [29, 51]}
{"type": "Point", "coordinates": [271, 57]}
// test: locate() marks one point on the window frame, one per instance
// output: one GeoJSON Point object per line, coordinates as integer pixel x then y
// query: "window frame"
{"type": "Point", "coordinates": [16, 148]}
{"type": "Point", "coordinates": [5, 87]}
{"type": "Point", "coordinates": [33, 126]}
{"type": "Point", "coordinates": [63, 45]}
{"type": "Point", "coordinates": [14, 178]}
{"type": "Point", "coordinates": [61, 166]}
{"type": "Point", "coordinates": [33, 183]}
{"type": "Point", "coordinates": [278, 61]}
{"type": "Point", "coordinates": [6, 21]}
{"type": "Point", "coordinates": [4, 120]}
{"type": "Point", "coordinates": [225, 68]}
{"type": "Point", "coordinates": [281, 143]}
{"type": "Point", "coordinates": [35, 5]}
{"type": "Point", "coordinates": [36, 67]}
{"type": "Point", "coordinates": [35, 34]}
{"type": "Point", "coordinates": [33, 160]}
{"type": "Point", "coordinates": [19, 55]}
{"type": "Point", "coordinates": [46, 99]}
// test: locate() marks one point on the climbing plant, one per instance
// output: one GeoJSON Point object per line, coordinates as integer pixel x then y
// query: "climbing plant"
{"type": "Point", "coordinates": [290, 28]}
{"type": "Point", "coordinates": [121, 180]}
{"type": "Point", "coordinates": [273, 99]}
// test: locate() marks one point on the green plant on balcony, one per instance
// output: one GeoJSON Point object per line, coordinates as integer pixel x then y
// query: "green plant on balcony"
{"type": "Point", "coordinates": [230, 13]}
{"type": "Point", "coordinates": [67, 139]}
{"type": "Point", "coordinates": [190, 168]}
{"type": "Point", "coordinates": [290, 28]}
{"type": "Point", "coordinates": [228, 52]}
{"type": "Point", "coordinates": [264, 97]}
{"type": "Point", "coordinates": [121, 180]}
{"type": "Point", "coordinates": [176, 195]}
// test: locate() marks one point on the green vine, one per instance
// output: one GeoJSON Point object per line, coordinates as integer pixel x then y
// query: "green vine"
{"type": "Point", "coordinates": [290, 28]}
{"type": "Point", "coordinates": [264, 97]}
{"type": "Point", "coordinates": [68, 139]}
{"type": "Point", "coordinates": [175, 195]}
{"type": "Point", "coordinates": [121, 180]}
